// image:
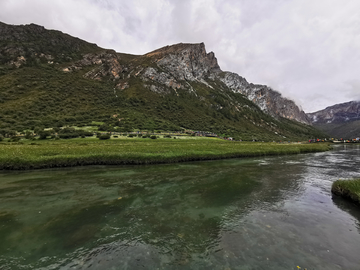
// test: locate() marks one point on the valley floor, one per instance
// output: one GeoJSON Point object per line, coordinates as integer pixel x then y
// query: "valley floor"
{"type": "Point", "coordinates": [35, 154]}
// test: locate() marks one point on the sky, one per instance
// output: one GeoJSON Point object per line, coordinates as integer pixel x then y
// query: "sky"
{"type": "Point", "coordinates": [308, 50]}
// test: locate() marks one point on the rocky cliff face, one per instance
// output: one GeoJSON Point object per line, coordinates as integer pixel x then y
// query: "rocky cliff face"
{"type": "Point", "coordinates": [171, 68]}
{"type": "Point", "coordinates": [186, 61]}
{"type": "Point", "coordinates": [180, 64]}
{"type": "Point", "coordinates": [339, 121]}
{"type": "Point", "coordinates": [176, 87]}
{"type": "Point", "coordinates": [266, 98]}
{"type": "Point", "coordinates": [339, 113]}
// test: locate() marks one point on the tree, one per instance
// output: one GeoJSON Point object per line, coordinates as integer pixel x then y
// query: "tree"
{"type": "Point", "coordinates": [28, 135]}
{"type": "Point", "coordinates": [104, 136]}
{"type": "Point", "coordinates": [37, 130]}
{"type": "Point", "coordinates": [43, 134]}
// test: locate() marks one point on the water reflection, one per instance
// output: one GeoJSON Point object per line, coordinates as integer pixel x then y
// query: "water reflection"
{"type": "Point", "coordinates": [268, 213]}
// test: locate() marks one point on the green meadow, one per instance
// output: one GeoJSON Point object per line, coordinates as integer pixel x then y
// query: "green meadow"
{"type": "Point", "coordinates": [33, 154]}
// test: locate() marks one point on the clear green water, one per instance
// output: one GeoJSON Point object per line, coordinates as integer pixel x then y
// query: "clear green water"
{"type": "Point", "coordinates": [264, 213]}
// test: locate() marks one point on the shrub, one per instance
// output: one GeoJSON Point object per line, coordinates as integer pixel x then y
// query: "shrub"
{"type": "Point", "coordinates": [43, 134]}
{"type": "Point", "coordinates": [103, 127]}
{"type": "Point", "coordinates": [104, 137]}
{"type": "Point", "coordinates": [84, 133]}
{"type": "Point", "coordinates": [68, 135]}
{"type": "Point", "coordinates": [131, 135]}
{"type": "Point", "coordinates": [153, 137]}
{"type": "Point", "coordinates": [14, 139]}
{"type": "Point", "coordinates": [28, 135]}
{"type": "Point", "coordinates": [1, 138]}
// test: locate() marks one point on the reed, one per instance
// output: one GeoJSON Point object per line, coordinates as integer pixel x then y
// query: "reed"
{"type": "Point", "coordinates": [78, 152]}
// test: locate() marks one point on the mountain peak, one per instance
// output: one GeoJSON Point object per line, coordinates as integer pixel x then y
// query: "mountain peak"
{"type": "Point", "coordinates": [176, 48]}
{"type": "Point", "coordinates": [180, 85]}
{"type": "Point", "coordinates": [186, 60]}
{"type": "Point", "coordinates": [339, 120]}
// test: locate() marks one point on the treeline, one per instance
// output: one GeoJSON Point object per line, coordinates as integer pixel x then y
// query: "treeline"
{"type": "Point", "coordinates": [54, 133]}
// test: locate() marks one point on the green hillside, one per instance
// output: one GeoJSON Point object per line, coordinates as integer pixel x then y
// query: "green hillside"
{"type": "Point", "coordinates": [54, 87]}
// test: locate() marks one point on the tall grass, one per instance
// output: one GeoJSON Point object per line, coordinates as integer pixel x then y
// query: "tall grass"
{"type": "Point", "coordinates": [349, 189]}
{"type": "Point", "coordinates": [75, 152]}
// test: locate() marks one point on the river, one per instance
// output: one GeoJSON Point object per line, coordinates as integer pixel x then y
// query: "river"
{"type": "Point", "coordinates": [256, 213]}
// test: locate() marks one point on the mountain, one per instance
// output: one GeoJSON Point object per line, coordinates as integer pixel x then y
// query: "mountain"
{"type": "Point", "coordinates": [48, 79]}
{"type": "Point", "coordinates": [340, 120]}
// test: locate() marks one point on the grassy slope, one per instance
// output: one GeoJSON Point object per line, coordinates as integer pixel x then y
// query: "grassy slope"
{"type": "Point", "coordinates": [344, 130]}
{"type": "Point", "coordinates": [45, 96]}
{"type": "Point", "coordinates": [349, 189]}
{"type": "Point", "coordinates": [50, 153]}
{"type": "Point", "coordinates": [41, 95]}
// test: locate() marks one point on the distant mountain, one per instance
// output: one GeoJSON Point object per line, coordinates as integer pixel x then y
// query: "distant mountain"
{"type": "Point", "coordinates": [48, 79]}
{"type": "Point", "coordinates": [340, 120]}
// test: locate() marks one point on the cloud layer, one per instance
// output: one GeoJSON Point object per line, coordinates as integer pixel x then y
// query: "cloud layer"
{"type": "Point", "coordinates": [307, 50]}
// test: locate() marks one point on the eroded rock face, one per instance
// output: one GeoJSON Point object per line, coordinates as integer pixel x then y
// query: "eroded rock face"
{"type": "Point", "coordinates": [186, 61]}
{"type": "Point", "coordinates": [105, 65]}
{"type": "Point", "coordinates": [151, 74]}
{"type": "Point", "coordinates": [175, 67]}
{"type": "Point", "coordinates": [339, 113]}
{"type": "Point", "coordinates": [189, 62]}
{"type": "Point", "coordinates": [266, 98]}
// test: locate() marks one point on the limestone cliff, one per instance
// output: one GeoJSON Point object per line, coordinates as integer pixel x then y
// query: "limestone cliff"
{"type": "Point", "coordinates": [179, 64]}
{"type": "Point", "coordinates": [267, 99]}
{"type": "Point", "coordinates": [173, 67]}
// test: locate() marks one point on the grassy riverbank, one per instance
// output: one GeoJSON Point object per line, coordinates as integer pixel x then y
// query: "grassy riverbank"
{"type": "Point", "coordinates": [91, 151]}
{"type": "Point", "coordinates": [348, 189]}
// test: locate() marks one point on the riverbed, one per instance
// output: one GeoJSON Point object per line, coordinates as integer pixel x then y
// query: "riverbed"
{"type": "Point", "coordinates": [256, 213]}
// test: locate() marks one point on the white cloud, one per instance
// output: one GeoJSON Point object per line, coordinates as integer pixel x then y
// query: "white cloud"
{"type": "Point", "coordinates": [308, 50]}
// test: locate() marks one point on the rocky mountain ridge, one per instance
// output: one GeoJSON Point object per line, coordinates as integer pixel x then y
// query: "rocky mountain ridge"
{"type": "Point", "coordinates": [338, 113]}
{"type": "Point", "coordinates": [339, 121]}
{"type": "Point", "coordinates": [179, 64]}
{"type": "Point", "coordinates": [175, 86]}
{"type": "Point", "coordinates": [182, 62]}
{"type": "Point", "coordinates": [191, 62]}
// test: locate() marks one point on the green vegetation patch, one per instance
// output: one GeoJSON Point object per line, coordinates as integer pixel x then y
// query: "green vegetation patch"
{"type": "Point", "coordinates": [60, 153]}
{"type": "Point", "coordinates": [348, 189]}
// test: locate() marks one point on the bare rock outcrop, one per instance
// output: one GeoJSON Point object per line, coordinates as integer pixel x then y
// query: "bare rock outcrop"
{"type": "Point", "coordinates": [186, 61]}
{"type": "Point", "coordinates": [267, 99]}
{"type": "Point", "coordinates": [190, 62]}
{"type": "Point", "coordinates": [339, 113]}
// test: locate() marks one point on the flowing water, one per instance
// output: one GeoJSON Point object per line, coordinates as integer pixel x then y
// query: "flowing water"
{"type": "Point", "coordinates": [259, 213]}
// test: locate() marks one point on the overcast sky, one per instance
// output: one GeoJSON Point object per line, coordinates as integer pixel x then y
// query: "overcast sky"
{"type": "Point", "coordinates": [308, 50]}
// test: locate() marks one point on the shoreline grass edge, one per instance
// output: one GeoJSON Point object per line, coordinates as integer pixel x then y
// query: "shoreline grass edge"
{"type": "Point", "coordinates": [347, 189]}
{"type": "Point", "coordinates": [53, 155]}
